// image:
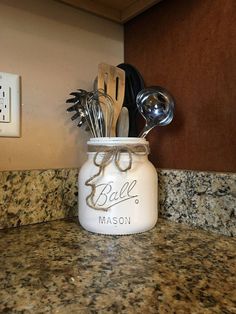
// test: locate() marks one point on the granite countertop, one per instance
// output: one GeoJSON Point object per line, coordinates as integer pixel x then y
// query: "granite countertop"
{"type": "Point", "coordinates": [56, 267]}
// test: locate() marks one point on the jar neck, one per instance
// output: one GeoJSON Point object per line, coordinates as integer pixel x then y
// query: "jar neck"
{"type": "Point", "coordinates": [132, 149]}
{"type": "Point", "coordinates": [116, 141]}
{"type": "Point", "coordinates": [139, 157]}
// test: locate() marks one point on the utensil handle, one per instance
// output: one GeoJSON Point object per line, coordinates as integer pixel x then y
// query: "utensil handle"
{"type": "Point", "coordinates": [147, 128]}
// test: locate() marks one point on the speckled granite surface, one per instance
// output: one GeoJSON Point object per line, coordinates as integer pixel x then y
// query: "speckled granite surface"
{"type": "Point", "coordinates": [33, 196]}
{"type": "Point", "coordinates": [203, 199]}
{"type": "Point", "coordinates": [56, 267]}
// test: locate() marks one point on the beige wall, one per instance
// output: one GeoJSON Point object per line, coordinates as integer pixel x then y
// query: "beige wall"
{"type": "Point", "coordinates": [55, 49]}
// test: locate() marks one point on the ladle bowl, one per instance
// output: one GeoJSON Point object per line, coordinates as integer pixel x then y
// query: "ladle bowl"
{"type": "Point", "coordinates": [156, 105]}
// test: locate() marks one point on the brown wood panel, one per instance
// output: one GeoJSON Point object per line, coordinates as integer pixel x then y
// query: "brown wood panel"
{"type": "Point", "coordinates": [188, 46]}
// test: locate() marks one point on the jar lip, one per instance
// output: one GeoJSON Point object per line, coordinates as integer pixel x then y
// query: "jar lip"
{"type": "Point", "coordinates": [116, 140]}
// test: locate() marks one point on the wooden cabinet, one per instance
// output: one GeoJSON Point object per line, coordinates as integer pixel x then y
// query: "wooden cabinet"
{"type": "Point", "coordinates": [116, 10]}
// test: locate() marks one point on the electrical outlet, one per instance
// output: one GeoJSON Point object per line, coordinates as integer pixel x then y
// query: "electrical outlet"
{"type": "Point", "coordinates": [4, 104]}
{"type": "Point", "coordinates": [9, 105]}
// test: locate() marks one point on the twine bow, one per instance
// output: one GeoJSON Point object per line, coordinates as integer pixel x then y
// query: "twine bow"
{"type": "Point", "coordinates": [111, 153]}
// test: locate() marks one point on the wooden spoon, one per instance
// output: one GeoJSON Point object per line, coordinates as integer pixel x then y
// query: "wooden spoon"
{"type": "Point", "coordinates": [112, 80]}
{"type": "Point", "coordinates": [122, 127]}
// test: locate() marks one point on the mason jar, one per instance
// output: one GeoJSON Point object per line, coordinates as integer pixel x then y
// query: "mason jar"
{"type": "Point", "coordinates": [118, 187]}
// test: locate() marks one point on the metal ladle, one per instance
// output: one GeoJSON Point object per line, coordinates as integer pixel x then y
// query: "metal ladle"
{"type": "Point", "coordinates": [156, 105]}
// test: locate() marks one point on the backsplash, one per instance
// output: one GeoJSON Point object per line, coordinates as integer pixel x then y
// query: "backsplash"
{"type": "Point", "coordinates": [33, 196]}
{"type": "Point", "coordinates": [201, 199]}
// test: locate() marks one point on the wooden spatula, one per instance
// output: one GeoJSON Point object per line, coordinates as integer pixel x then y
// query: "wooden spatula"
{"type": "Point", "coordinates": [112, 80]}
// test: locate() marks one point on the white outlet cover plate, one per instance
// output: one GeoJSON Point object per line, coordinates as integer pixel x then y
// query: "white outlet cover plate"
{"type": "Point", "coordinates": [10, 102]}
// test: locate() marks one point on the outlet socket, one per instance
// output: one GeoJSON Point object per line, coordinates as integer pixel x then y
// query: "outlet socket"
{"type": "Point", "coordinates": [9, 105]}
{"type": "Point", "coordinates": [4, 104]}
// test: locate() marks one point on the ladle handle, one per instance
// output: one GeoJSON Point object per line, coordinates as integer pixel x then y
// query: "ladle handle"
{"type": "Point", "coordinates": [147, 128]}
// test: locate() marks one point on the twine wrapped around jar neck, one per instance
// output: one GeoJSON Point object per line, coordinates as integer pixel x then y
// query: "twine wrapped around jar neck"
{"type": "Point", "coordinates": [110, 153]}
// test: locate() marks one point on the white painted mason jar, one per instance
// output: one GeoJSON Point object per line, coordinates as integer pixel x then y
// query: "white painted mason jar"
{"type": "Point", "coordinates": [118, 187]}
